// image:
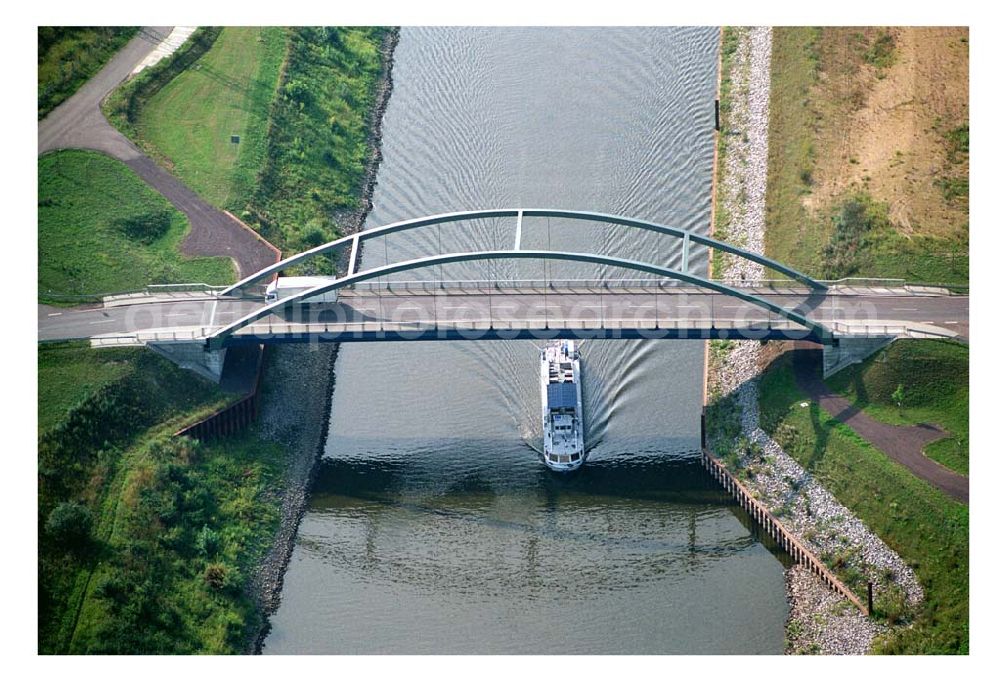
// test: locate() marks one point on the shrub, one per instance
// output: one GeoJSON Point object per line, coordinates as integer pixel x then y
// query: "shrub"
{"type": "Point", "coordinates": [890, 604]}
{"type": "Point", "coordinates": [208, 542]}
{"type": "Point", "coordinates": [298, 92]}
{"type": "Point", "coordinates": [958, 142]}
{"type": "Point", "coordinates": [855, 222]}
{"type": "Point", "coordinates": [69, 525]}
{"type": "Point", "coordinates": [314, 234]}
{"type": "Point", "coordinates": [216, 576]}
{"type": "Point", "coordinates": [953, 188]}
{"type": "Point", "coordinates": [145, 228]}
{"type": "Point", "coordinates": [882, 52]}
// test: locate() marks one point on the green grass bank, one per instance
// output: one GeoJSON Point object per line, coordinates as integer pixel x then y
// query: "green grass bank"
{"type": "Point", "coordinates": [189, 123]}
{"type": "Point", "coordinates": [792, 236]}
{"type": "Point", "coordinates": [319, 137]}
{"type": "Point", "coordinates": [102, 229]}
{"type": "Point", "coordinates": [125, 103]}
{"type": "Point", "coordinates": [926, 527]}
{"type": "Point", "coordinates": [69, 55]}
{"type": "Point", "coordinates": [302, 101]}
{"type": "Point", "coordinates": [144, 539]}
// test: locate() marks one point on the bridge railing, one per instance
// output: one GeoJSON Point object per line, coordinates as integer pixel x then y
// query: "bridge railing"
{"type": "Point", "coordinates": [430, 286]}
{"type": "Point", "coordinates": [190, 334]}
{"type": "Point", "coordinates": [747, 328]}
{"type": "Point", "coordinates": [565, 284]}
{"type": "Point", "coordinates": [148, 290]}
{"type": "Point", "coordinates": [277, 326]}
{"type": "Point", "coordinates": [867, 282]}
{"type": "Point", "coordinates": [762, 286]}
{"type": "Point", "coordinates": [844, 329]}
{"type": "Point", "coordinates": [751, 329]}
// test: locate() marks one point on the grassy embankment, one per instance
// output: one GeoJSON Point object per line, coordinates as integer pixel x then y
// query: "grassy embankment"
{"type": "Point", "coordinates": [293, 177]}
{"type": "Point", "coordinates": [102, 229]}
{"type": "Point", "coordinates": [143, 538]}
{"type": "Point", "coordinates": [926, 527]}
{"type": "Point", "coordinates": [868, 168]}
{"type": "Point", "coordinates": [914, 382]}
{"type": "Point", "coordinates": [189, 122]}
{"type": "Point", "coordinates": [123, 105]}
{"type": "Point", "coordinates": [868, 176]}
{"type": "Point", "coordinates": [146, 539]}
{"type": "Point", "coordinates": [69, 55]}
{"type": "Point", "coordinates": [318, 137]}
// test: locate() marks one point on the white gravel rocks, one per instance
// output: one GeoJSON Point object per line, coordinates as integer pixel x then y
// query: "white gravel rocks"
{"type": "Point", "coordinates": [178, 36]}
{"type": "Point", "coordinates": [820, 621]}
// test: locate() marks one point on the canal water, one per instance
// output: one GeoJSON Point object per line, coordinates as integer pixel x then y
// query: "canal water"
{"type": "Point", "coordinates": [433, 526]}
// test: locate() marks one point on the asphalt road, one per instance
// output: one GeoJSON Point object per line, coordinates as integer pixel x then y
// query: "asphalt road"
{"type": "Point", "coordinates": [85, 322]}
{"type": "Point", "coordinates": [946, 312]}
{"type": "Point", "coordinates": [79, 123]}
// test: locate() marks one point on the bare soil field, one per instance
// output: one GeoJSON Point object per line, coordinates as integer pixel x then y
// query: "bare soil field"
{"type": "Point", "coordinates": [879, 111]}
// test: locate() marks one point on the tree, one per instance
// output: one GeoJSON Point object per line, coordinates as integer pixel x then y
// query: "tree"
{"type": "Point", "coordinates": [69, 525]}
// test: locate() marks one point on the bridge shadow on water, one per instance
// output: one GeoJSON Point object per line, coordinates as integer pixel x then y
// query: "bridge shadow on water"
{"type": "Point", "coordinates": [656, 487]}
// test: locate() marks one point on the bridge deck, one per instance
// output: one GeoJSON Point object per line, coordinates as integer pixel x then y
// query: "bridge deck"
{"type": "Point", "coordinates": [425, 310]}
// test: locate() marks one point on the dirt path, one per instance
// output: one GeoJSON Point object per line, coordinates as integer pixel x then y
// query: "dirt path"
{"type": "Point", "coordinates": [903, 444]}
{"type": "Point", "coordinates": [79, 123]}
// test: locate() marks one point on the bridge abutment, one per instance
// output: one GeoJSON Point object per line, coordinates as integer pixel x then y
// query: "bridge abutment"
{"type": "Point", "coordinates": [194, 357]}
{"type": "Point", "coordinates": [847, 351]}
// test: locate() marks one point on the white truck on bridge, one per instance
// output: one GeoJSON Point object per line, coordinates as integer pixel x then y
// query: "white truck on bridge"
{"type": "Point", "coordinates": [283, 287]}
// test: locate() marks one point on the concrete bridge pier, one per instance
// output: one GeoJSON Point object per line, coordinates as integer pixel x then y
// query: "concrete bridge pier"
{"type": "Point", "coordinates": [844, 352]}
{"type": "Point", "coordinates": [194, 356]}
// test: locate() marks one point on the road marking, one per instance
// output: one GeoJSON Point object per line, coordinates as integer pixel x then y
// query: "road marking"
{"type": "Point", "coordinates": [54, 314]}
{"type": "Point", "coordinates": [951, 322]}
{"type": "Point", "coordinates": [102, 322]}
{"type": "Point", "coordinates": [912, 310]}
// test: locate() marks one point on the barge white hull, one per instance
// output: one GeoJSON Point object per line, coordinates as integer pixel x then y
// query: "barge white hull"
{"type": "Point", "coordinates": [562, 406]}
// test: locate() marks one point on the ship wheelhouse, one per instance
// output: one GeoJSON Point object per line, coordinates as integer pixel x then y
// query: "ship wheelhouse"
{"type": "Point", "coordinates": [563, 421]}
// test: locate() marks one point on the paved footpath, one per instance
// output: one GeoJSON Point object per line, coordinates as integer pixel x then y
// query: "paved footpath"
{"type": "Point", "coordinates": [79, 123]}
{"type": "Point", "coordinates": [903, 444]}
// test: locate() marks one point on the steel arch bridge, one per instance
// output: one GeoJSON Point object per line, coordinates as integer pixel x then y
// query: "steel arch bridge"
{"type": "Point", "coordinates": [218, 338]}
